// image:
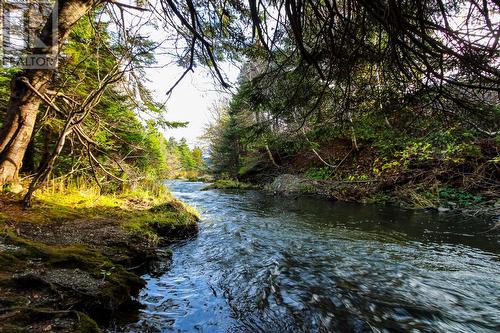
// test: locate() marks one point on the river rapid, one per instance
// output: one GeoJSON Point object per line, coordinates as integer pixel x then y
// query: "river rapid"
{"type": "Point", "coordinates": [264, 263]}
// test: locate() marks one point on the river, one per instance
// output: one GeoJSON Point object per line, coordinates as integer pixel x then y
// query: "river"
{"type": "Point", "coordinates": [264, 263]}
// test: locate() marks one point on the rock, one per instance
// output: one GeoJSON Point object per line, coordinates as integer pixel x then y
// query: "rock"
{"type": "Point", "coordinates": [286, 184]}
{"type": "Point", "coordinates": [443, 209]}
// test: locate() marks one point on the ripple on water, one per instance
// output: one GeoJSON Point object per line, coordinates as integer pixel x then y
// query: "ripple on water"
{"type": "Point", "coordinates": [271, 264]}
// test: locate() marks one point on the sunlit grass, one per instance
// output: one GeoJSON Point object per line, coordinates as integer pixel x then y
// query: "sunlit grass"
{"type": "Point", "coordinates": [138, 210]}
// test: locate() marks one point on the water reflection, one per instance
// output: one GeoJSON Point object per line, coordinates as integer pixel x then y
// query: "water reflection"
{"type": "Point", "coordinates": [271, 264]}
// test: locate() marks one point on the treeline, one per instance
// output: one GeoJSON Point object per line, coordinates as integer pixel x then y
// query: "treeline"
{"type": "Point", "coordinates": [387, 149]}
{"type": "Point", "coordinates": [180, 161]}
{"type": "Point", "coordinates": [376, 90]}
{"type": "Point", "coordinates": [273, 121]}
{"type": "Point", "coordinates": [375, 108]}
{"type": "Point", "coordinates": [97, 121]}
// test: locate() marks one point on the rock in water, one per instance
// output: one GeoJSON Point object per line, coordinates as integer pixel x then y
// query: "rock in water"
{"type": "Point", "coordinates": [286, 184]}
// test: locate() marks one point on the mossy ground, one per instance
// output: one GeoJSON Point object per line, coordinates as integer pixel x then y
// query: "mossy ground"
{"type": "Point", "coordinates": [68, 262]}
{"type": "Point", "coordinates": [52, 288]}
{"type": "Point", "coordinates": [138, 211]}
{"type": "Point", "coordinates": [227, 184]}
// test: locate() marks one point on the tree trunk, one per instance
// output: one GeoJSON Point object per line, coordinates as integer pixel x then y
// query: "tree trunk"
{"type": "Point", "coordinates": [24, 103]}
{"type": "Point", "coordinates": [47, 137]}
{"type": "Point", "coordinates": [29, 158]}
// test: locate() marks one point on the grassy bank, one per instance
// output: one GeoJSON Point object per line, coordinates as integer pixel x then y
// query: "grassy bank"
{"type": "Point", "coordinates": [231, 184]}
{"type": "Point", "coordinates": [72, 262]}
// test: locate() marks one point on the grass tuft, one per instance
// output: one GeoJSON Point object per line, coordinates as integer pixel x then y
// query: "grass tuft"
{"type": "Point", "coordinates": [226, 184]}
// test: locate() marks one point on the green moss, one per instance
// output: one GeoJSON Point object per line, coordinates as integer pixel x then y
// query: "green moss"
{"type": "Point", "coordinates": [122, 283]}
{"type": "Point", "coordinates": [459, 197]}
{"type": "Point", "coordinates": [226, 184]}
{"type": "Point", "coordinates": [139, 211]}
{"type": "Point", "coordinates": [86, 325]}
{"type": "Point", "coordinates": [7, 259]}
{"type": "Point", "coordinates": [73, 321]}
{"type": "Point", "coordinates": [165, 219]}
{"type": "Point", "coordinates": [81, 277]}
{"type": "Point", "coordinates": [322, 173]}
{"type": "Point", "coordinates": [171, 206]}
{"type": "Point", "coordinates": [90, 282]}
{"type": "Point", "coordinates": [307, 188]}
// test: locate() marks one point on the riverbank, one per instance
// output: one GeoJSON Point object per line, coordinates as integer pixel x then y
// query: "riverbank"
{"type": "Point", "coordinates": [418, 176]}
{"type": "Point", "coordinates": [231, 184]}
{"type": "Point", "coordinates": [411, 196]}
{"type": "Point", "coordinates": [72, 263]}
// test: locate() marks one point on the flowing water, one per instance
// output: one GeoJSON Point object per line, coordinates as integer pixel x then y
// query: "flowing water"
{"type": "Point", "coordinates": [264, 263]}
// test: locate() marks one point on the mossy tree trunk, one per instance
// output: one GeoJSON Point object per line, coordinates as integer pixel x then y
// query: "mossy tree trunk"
{"type": "Point", "coordinates": [24, 102]}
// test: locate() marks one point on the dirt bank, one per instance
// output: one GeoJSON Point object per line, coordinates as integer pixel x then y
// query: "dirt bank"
{"type": "Point", "coordinates": [71, 273]}
{"type": "Point", "coordinates": [412, 177]}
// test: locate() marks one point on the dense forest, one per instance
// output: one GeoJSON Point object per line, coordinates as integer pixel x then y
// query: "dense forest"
{"type": "Point", "coordinates": [414, 147]}
{"type": "Point", "coordinates": [387, 109]}
{"type": "Point", "coordinates": [97, 122]}
{"type": "Point", "coordinates": [359, 91]}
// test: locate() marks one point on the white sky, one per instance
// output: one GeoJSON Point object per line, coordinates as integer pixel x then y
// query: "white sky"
{"type": "Point", "coordinates": [191, 99]}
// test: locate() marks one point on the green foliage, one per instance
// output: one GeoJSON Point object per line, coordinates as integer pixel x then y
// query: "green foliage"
{"type": "Point", "coordinates": [6, 74]}
{"type": "Point", "coordinates": [226, 184]}
{"type": "Point", "coordinates": [123, 145]}
{"type": "Point", "coordinates": [182, 161]}
{"type": "Point", "coordinates": [225, 143]}
{"type": "Point", "coordinates": [495, 160]}
{"type": "Point", "coordinates": [361, 177]}
{"type": "Point", "coordinates": [319, 173]}
{"type": "Point", "coordinates": [390, 165]}
{"type": "Point", "coordinates": [417, 151]}
{"type": "Point", "coordinates": [459, 197]}
{"type": "Point", "coordinates": [378, 134]}
{"type": "Point", "coordinates": [288, 145]}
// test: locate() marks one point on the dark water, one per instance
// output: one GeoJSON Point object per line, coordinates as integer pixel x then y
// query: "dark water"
{"type": "Point", "coordinates": [271, 264]}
